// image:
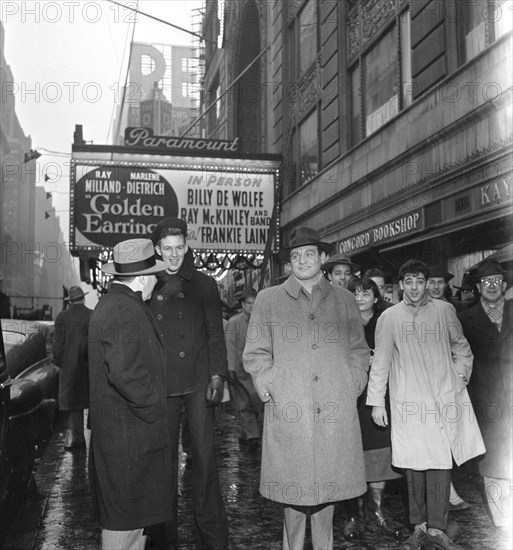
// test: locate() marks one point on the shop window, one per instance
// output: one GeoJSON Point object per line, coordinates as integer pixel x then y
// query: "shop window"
{"type": "Point", "coordinates": [381, 80]}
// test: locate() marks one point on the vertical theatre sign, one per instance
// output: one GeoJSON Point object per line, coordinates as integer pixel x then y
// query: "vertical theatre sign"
{"type": "Point", "coordinates": [226, 202]}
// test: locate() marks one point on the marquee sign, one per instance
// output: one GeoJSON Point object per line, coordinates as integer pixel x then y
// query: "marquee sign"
{"type": "Point", "coordinates": [227, 203]}
{"type": "Point", "coordinates": [143, 137]}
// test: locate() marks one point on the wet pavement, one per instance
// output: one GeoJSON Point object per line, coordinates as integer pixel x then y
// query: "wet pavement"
{"type": "Point", "coordinates": [57, 513]}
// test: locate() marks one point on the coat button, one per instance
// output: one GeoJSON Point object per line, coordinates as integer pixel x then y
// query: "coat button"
{"type": "Point", "coordinates": [181, 336]}
{"type": "Point", "coordinates": [180, 315]}
{"type": "Point", "coordinates": [159, 317]}
{"type": "Point", "coordinates": [181, 354]}
{"type": "Point", "coordinates": [316, 379]}
{"type": "Point", "coordinates": [315, 346]}
{"type": "Point", "coordinates": [318, 410]}
{"type": "Point", "coordinates": [312, 316]}
{"type": "Point", "coordinates": [160, 297]}
{"type": "Point", "coordinates": [181, 295]}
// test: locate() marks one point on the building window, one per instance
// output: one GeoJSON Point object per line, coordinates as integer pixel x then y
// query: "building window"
{"type": "Point", "coordinates": [307, 36]}
{"type": "Point", "coordinates": [308, 152]}
{"type": "Point", "coordinates": [474, 31]}
{"type": "Point", "coordinates": [502, 17]}
{"type": "Point", "coordinates": [481, 23]}
{"type": "Point", "coordinates": [189, 64]}
{"type": "Point", "coordinates": [188, 89]}
{"type": "Point", "coordinates": [380, 80]}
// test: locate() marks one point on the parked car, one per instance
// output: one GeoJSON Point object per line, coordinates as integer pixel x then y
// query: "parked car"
{"type": "Point", "coordinates": [29, 382]}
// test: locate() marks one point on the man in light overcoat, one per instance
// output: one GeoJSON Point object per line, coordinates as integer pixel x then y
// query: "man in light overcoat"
{"type": "Point", "coordinates": [425, 359]}
{"type": "Point", "coordinates": [306, 351]}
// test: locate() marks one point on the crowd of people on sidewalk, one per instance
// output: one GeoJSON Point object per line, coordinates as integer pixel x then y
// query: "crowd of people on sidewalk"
{"type": "Point", "coordinates": [339, 389]}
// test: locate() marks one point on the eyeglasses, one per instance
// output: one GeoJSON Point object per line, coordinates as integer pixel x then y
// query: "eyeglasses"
{"type": "Point", "coordinates": [489, 281]}
{"type": "Point", "coordinates": [309, 255]}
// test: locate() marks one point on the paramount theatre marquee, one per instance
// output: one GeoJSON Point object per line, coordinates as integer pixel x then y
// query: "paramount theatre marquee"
{"type": "Point", "coordinates": [118, 193]}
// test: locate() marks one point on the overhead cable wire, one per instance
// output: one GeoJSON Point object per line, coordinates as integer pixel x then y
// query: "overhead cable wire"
{"type": "Point", "coordinates": [118, 126]}
{"type": "Point", "coordinates": [111, 124]}
{"type": "Point", "coordinates": [163, 21]}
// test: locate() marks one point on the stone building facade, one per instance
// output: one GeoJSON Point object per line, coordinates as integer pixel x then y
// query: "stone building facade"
{"type": "Point", "coordinates": [393, 119]}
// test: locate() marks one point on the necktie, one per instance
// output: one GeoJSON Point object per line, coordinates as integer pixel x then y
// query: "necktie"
{"type": "Point", "coordinates": [495, 317]}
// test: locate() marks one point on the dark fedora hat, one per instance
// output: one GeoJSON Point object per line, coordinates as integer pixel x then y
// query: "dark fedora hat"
{"type": "Point", "coordinates": [340, 259]}
{"type": "Point", "coordinates": [466, 283]}
{"type": "Point", "coordinates": [489, 267]}
{"type": "Point", "coordinates": [440, 271]}
{"type": "Point", "coordinates": [75, 293]}
{"type": "Point", "coordinates": [304, 236]}
{"type": "Point", "coordinates": [165, 225]}
{"type": "Point", "coordinates": [134, 257]}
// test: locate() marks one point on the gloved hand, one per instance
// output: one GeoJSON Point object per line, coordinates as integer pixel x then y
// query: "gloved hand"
{"type": "Point", "coordinates": [232, 377]}
{"type": "Point", "coordinates": [215, 390]}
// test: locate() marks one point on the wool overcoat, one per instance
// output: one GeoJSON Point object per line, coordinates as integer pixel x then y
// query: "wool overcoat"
{"type": "Point", "coordinates": [308, 352]}
{"type": "Point", "coordinates": [130, 470]}
{"type": "Point", "coordinates": [421, 352]}
{"type": "Point", "coordinates": [70, 354]}
{"type": "Point", "coordinates": [189, 314]}
{"type": "Point", "coordinates": [491, 385]}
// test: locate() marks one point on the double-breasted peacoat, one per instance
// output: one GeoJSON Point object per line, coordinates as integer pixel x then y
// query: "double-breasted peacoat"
{"type": "Point", "coordinates": [422, 354]}
{"type": "Point", "coordinates": [491, 385]}
{"type": "Point", "coordinates": [70, 354]}
{"type": "Point", "coordinates": [189, 314]}
{"type": "Point", "coordinates": [130, 473]}
{"type": "Point", "coordinates": [309, 354]}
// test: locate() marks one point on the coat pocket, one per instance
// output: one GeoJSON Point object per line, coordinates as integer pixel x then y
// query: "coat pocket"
{"type": "Point", "coordinates": [151, 438]}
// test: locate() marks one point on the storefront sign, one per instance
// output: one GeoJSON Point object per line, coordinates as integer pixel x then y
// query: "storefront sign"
{"type": "Point", "coordinates": [143, 137]}
{"type": "Point", "coordinates": [495, 192]}
{"type": "Point", "coordinates": [382, 233]}
{"type": "Point", "coordinates": [225, 210]}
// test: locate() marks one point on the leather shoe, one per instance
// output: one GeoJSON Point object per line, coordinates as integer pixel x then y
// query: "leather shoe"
{"type": "Point", "coordinates": [352, 528]}
{"type": "Point", "coordinates": [438, 540]}
{"type": "Point", "coordinates": [416, 539]}
{"type": "Point", "coordinates": [459, 507]}
{"type": "Point", "coordinates": [75, 446]}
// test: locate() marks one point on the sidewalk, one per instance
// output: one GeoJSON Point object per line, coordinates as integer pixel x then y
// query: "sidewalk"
{"type": "Point", "coordinates": [58, 517]}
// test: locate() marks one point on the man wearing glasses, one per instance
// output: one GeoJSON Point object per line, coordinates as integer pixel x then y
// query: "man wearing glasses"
{"type": "Point", "coordinates": [488, 327]}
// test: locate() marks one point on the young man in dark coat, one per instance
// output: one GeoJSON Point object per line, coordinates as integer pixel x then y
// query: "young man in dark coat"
{"type": "Point", "coordinates": [130, 466]}
{"type": "Point", "coordinates": [70, 354]}
{"type": "Point", "coordinates": [188, 310]}
{"type": "Point", "coordinates": [488, 327]}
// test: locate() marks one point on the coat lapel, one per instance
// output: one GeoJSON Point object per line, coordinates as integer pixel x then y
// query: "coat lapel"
{"type": "Point", "coordinates": [483, 323]}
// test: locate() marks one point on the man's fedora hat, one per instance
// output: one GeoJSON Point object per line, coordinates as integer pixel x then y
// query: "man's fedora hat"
{"type": "Point", "coordinates": [164, 225]}
{"type": "Point", "coordinates": [466, 283]}
{"type": "Point", "coordinates": [440, 271]}
{"type": "Point", "coordinates": [489, 267]}
{"type": "Point", "coordinates": [304, 236]}
{"type": "Point", "coordinates": [75, 293]}
{"type": "Point", "coordinates": [134, 257]}
{"type": "Point", "coordinates": [340, 259]}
